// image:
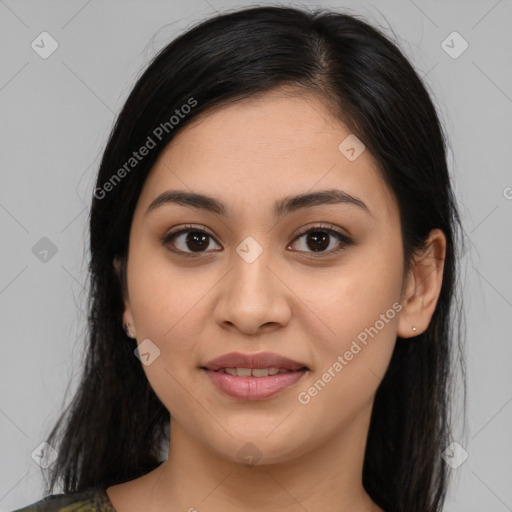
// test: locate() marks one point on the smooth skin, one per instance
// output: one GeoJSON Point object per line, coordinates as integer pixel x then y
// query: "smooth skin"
{"type": "Point", "coordinates": [248, 155]}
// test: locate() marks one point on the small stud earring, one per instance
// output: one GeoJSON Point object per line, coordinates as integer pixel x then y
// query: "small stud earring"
{"type": "Point", "coordinates": [128, 330]}
{"type": "Point", "coordinates": [414, 328]}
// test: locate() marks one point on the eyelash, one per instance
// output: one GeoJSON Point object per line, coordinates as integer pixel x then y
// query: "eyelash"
{"type": "Point", "coordinates": [345, 241]}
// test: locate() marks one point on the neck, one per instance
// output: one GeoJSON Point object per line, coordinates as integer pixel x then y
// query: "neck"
{"type": "Point", "coordinates": [327, 478]}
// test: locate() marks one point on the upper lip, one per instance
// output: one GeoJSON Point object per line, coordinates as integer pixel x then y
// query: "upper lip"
{"type": "Point", "coordinates": [260, 360]}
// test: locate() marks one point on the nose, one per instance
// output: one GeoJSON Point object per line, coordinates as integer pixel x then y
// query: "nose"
{"type": "Point", "coordinates": [253, 298]}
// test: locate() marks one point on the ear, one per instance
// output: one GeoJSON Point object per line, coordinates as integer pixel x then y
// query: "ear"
{"type": "Point", "coordinates": [120, 270]}
{"type": "Point", "coordinates": [423, 286]}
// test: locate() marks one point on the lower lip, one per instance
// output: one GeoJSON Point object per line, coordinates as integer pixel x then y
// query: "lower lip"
{"type": "Point", "coordinates": [253, 388]}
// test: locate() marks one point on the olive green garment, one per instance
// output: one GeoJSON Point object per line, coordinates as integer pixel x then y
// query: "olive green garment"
{"type": "Point", "coordinates": [92, 500]}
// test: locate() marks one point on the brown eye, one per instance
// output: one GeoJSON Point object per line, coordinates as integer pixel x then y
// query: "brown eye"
{"type": "Point", "coordinates": [188, 241]}
{"type": "Point", "coordinates": [318, 240]}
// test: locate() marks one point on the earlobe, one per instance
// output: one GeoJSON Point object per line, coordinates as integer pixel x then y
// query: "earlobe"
{"type": "Point", "coordinates": [423, 286]}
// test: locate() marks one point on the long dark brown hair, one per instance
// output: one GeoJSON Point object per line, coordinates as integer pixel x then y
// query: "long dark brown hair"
{"type": "Point", "coordinates": [115, 427]}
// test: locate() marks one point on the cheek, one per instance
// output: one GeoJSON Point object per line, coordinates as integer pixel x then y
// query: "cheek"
{"type": "Point", "coordinates": [165, 304]}
{"type": "Point", "coordinates": [162, 296]}
{"type": "Point", "coordinates": [357, 307]}
{"type": "Point", "coordinates": [361, 311]}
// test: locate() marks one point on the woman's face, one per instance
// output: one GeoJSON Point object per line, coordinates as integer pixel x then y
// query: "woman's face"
{"type": "Point", "coordinates": [258, 284]}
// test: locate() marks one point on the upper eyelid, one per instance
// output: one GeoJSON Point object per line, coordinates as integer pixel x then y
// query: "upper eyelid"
{"type": "Point", "coordinates": [185, 229]}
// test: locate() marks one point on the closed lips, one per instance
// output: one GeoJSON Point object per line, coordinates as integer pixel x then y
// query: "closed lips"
{"type": "Point", "coordinates": [255, 372]}
{"type": "Point", "coordinates": [253, 364]}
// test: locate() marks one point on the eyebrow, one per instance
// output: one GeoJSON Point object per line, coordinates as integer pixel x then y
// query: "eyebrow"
{"type": "Point", "coordinates": [281, 207]}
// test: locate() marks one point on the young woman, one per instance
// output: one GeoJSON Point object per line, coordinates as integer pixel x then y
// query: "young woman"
{"type": "Point", "coordinates": [273, 240]}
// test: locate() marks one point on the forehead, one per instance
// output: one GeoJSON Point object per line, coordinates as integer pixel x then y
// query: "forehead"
{"type": "Point", "coordinates": [262, 148]}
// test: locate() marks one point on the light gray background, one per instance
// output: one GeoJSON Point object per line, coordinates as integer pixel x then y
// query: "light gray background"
{"type": "Point", "coordinates": [56, 114]}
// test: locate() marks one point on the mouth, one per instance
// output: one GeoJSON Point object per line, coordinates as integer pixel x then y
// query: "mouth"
{"type": "Point", "coordinates": [253, 361]}
{"type": "Point", "coordinates": [254, 376]}
{"type": "Point", "coordinates": [255, 372]}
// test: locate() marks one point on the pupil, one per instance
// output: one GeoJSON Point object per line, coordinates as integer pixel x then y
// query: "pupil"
{"type": "Point", "coordinates": [319, 239]}
{"type": "Point", "coordinates": [194, 236]}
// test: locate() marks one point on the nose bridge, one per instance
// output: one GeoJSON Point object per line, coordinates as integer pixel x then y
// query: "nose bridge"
{"type": "Point", "coordinates": [252, 295]}
{"type": "Point", "coordinates": [251, 262]}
